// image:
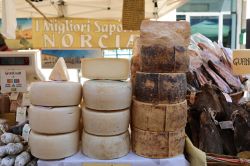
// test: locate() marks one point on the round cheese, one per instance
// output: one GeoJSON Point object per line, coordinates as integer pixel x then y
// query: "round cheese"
{"type": "Point", "coordinates": [105, 68]}
{"type": "Point", "coordinates": [159, 117]}
{"type": "Point", "coordinates": [51, 147]}
{"type": "Point", "coordinates": [105, 148]}
{"type": "Point", "coordinates": [105, 123]}
{"type": "Point", "coordinates": [48, 120]}
{"type": "Point", "coordinates": [55, 94]}
{"type": "Point", "coordinates": [157, 144]}
{"type": "Point", "coordinates": [161, 88]}
{"type": "Point", "coordinates": [107, 95]}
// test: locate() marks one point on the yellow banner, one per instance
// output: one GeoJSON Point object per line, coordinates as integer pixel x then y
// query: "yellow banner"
{"type": "Point", "coordinates": [241, 62]}
{"type": "Point", "coordinates": [80, 33]}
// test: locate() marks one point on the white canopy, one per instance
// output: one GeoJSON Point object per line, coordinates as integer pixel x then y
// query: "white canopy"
{"type": "Point", "coordinates": [102, 9]}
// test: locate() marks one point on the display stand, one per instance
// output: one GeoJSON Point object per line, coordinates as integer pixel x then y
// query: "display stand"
{"type": "Point", "coordinates": [130, 160]}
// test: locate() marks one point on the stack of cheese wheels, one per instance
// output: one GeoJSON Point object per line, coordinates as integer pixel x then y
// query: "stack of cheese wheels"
{"type": "Point", "coordinates": [54, 115]}
{"type": "Point", "coordinates": [159, 109]}
{"type": "Point", "coordinates": [106, 112]}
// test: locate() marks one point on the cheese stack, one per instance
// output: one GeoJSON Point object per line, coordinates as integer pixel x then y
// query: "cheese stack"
{"type": "Point", "coordinates": [54, 115]}
{"type": "Point", "coordinates": [106, 112]}
{"type": "Point", "coordinates": [159, 109]}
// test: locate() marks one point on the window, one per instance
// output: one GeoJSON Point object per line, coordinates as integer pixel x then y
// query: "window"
{"type": "Point", "coordinates": [118, 53]}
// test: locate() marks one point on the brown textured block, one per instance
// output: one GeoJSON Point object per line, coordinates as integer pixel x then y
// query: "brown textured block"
{"type": "Point", "coordinates": [159, 117]}
{"type": "Point", "coordinates": [161, 88]}
{"type": "Point", "coordinates": [158, 144]}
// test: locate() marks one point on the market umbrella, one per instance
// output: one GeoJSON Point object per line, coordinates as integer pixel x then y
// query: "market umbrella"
{"type": "Point", "coordinates": [209, 29]}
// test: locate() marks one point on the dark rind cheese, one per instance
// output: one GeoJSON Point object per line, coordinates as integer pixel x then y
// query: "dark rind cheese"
{"type": "Point", "coordinates": [158, 144]}
{"type": "Point", "coordinates": [161, 88]}
{"type": "Point", "coordinates": [159, 117]}
{"type": "Point", "coordinates": [158, 58]}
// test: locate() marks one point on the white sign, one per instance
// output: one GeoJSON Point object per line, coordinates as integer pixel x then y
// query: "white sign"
{"type": "Point", "coordinates": [13, 81]}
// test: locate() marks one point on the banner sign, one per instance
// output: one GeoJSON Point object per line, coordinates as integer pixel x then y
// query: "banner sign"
{"type": "Point", "coordinates": [80, 33]}
{"type": "Point", "coordinates": [13, 81]}
{"type": "Point", "coordinates": [241, 62]}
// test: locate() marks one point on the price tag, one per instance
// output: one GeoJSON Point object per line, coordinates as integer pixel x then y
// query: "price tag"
{"type": "Point", "coordinates": [21, 114]}
{"type": "Point", "coordinates": [13, 81]}
{"type": "Point", "coordinates": [226, 125]}
{"type": "Point", "coordinates": [26, 132]}
{"type": "Point", "coordinates": [105, 164]}
{"type": "Point", "coordinates": [228, 98]}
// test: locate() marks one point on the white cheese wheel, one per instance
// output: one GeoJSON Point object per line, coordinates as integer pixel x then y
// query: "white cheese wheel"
{"type": "Point", "coordinates": [107, 95]}
{"type": "Point", "coordinates": [54, 93]}
{"type": "Point", "coordinates": [105, 123]}
{"type": "Point", "coordinates": [51, 147]}
{"type": "Point", "coordinates": [105, 68]}
{"type": "Point", "coordinates": [105, 148]}
{"type": "Point", "coordinates": [48, 120]}
{"type": "Point", "coordinates": [59, 72]}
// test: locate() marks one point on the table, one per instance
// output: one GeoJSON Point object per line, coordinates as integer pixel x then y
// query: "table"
{"type": "Point", "coordinates": [79, 159]}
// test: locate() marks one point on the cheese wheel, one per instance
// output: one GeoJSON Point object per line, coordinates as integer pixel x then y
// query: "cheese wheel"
{"type": "Point", "coordinates": [55, 94]}
{"type": "Point", "coordinates": [162, 88]}
{"type": "Point", "coordinates": [105, 148]}
{"type": "Point", "coordinates": [159, 117]}
{"type": "Point", "coordinates": [158, 58]}
{"type": "Point", "coordinates": [105, 68]}
{"type": "Point", "coordinates": [105, 123]}
{"type": "Point", "coordinates": [107, 94]}
{"type": "Point", "coordinates": [56, 120]}
{"type": "Point", "coordinates": [59, 72]}
{"type": "Point", "coordinates": [51, 147]}
{"type": "Point", "coordinates": [158, 144]}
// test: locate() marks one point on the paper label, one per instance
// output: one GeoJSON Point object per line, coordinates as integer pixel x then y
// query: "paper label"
{"type": "Point", "coordinates": [21, 114]}
{"type": "Point", "coordinates": [228, 98]}
{"type": "Point", "coordinates": [26, 132]}
{"type": "Point", "coordinates": [105, 164]}
{"type": "Point", "coordinates": [226, 125]}
{"type": "Point", "coordinates": [13, 81]}
{"type": "Point", "coordinates": [14, 95]}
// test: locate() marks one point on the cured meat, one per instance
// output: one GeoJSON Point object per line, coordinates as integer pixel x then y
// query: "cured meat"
{"type": "Point", "coordinates": [222, 71]}
{"type": "Point", "coordinates": [159, 117]}
{"type": "Point", "coordinates": [161, 88]}
{"type": "Point", "coordinates": [209, 138]}
{"type": "Point", "coordinates": [157, 144]}
{"type": "Point", "coordinates": [241, 123]}
{"type": "Point", "coordinates": [202, 79]}
{"type": "Point", "coordinates": [218, 81]}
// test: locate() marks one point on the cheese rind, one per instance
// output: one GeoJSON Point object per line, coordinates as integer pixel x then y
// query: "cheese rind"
{"type": "Point", "coordinates": [161, 88]}
{"type": "Point", "coordinates": [159, 117]}
{"type": "Point", "coordinates": [47, 120]}
{"type": "Point", "coordinates": [59, 72]}
{"type": "Point", "coordinates": [105, 123]}
{"type": "Point", "coordinates": [51, 147]}
{"type": "Point", "coordinates": [158, 144]}
{"type": "Point", "coordinates": [55, 94]}
{"type": "Point", "coordinates": [105, 148]}
{"type": "Point", "coordinates": [107, 94]}
{"type": "Point", "coordinates": [105, 68]}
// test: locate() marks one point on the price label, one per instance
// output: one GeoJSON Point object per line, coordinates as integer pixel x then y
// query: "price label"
{"type": "Point", "coordinates": [21, 114]}
{"type": "Point", "coordinates": [105, 164]}
{"type": "Point", "coordinates": [13, 81]}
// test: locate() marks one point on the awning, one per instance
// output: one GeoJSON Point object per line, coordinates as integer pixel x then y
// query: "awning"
{"type": "Point", "coordinates": [101, 9]}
